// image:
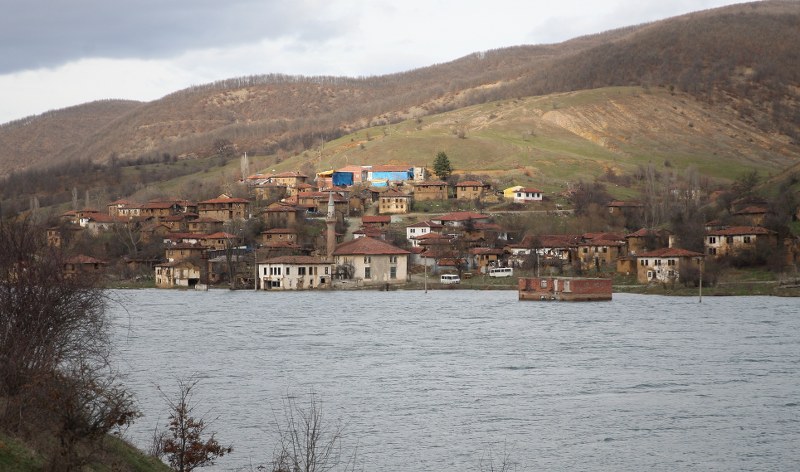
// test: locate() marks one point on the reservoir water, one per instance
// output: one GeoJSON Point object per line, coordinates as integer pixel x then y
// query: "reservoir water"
{"type": "Point", "coordinates": [442, 380]}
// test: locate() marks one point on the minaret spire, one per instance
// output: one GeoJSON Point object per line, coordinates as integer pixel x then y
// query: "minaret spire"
{"type": "Point", "coordinates": [330, 222]}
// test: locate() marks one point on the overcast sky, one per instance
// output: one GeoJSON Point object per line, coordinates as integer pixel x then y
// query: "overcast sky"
{"type": "Point", "coordinates": [58, 53]}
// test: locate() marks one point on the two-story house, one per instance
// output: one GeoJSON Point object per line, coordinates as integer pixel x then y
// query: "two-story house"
{"type": "Point", "coordinates": [430, 190]}
{"type": "Point", "coordinates": [737, 238]}
{"type": "Point", "coordinates": [224, 208]}
{"type": "Point", "coordinates": [471, 190]}
{"type": "Point", "coordinates": [294, 273]}
{"type": "Point", "coordinates": [666, 264]}
{"type": "Point", "coordinates": [394, 201]}
{"type": "Point", "coordinates": [372, 261]}
{"type": "Point", "coordinates": [413, 232]}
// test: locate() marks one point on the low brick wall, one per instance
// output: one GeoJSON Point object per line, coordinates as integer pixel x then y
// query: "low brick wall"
{"type": "Point", "coordinates": [564, 289]}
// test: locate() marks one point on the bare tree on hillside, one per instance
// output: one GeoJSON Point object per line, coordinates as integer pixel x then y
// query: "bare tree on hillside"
{"type": "Point", "coordinates": [186, 444]}
{"type": "Point", "coordinates": [54, 349]}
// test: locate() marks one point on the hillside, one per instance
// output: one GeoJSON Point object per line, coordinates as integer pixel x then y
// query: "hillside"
{"type": "Point", "coordinates": [550, 140]}
{"type": "Point", "coordinates": [546, 141]}
{"type": "Point", "coordinates": [742, 57]}
{"type": "Point", "coordinates": [47, 138]}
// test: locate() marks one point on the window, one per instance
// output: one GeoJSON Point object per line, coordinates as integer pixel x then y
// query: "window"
{"type": "Point", "coordinates": [393, 259]}
{"type": "Point", "coordinates": [712, 250]}
{"type": "Point", "coordinates": [658, 262]}
{"type": "Point", "coordinates": [712, 240]}
{"type": "Point", "coordinates": [393, 272]}
{"type": "Point", "coordinates": [729, 239]}
{"type": "Point", "coordinates": [412, 231]}
{"type": "Point", "coordinates": [367, 259]}
{"type": "Point", "coordinates": [288, 270]}
{"type": "Point", "coordinates": [747, 239]}
{"type": "Point", "coordinates": [543, 283]}
{"type": "Point", "coordinates": [671, 262]}
{"type": "Point", "coordinates": [367, 273]}
{"type": "Point", "coordinates": [326, 270]}
{"type": "Point", "coordinates": [301, 271]}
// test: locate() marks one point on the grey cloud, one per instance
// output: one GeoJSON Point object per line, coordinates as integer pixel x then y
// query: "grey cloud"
{"type": "Point", "coordinates": [49, 33]}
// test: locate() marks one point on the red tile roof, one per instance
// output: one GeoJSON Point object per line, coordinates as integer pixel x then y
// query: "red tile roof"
{"type": "Point", "coordinates": [289, 174]}
{"type": "Point", "coordinates": [644, 232]}
{"type": "Point", "coordinates": [391, 168]}
{"type": "Point", "coordinates": [295, 260]}
{"type": "Point", "coordinates": [431, 183]}
{"type": "Point", "coordinates": [739, 230]}
{"type": "Point", "coordinates": [221, 235]}
{"type": "Point", "coordinates": [370, 231]}
{"type": "Point", "coordinates": [392, 192]}
{"type": "Point", "coordinates": [671, 252]}
{"type": "Point", "coordinates": [368, 246]}
{"type": "Point", "coordinates": [226, 200]}
{"type": "Point", "coordinates": [752, 210]}
{"type": "Point", "coordinates": [83, 259]}
{"type": "Point", "coordinates": [470, 183]}
{"type": "Point", "coordinates": [366, 219]}
{"type": "Point", "coordinates": [604, 236]}
{"type": "Point", "coordinates": [425, 224]}
{"type": "Point", "coordinates": [485, 251]}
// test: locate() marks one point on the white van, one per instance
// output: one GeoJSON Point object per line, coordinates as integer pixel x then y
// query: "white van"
{"type": "Point", "coordinates": [450, 279]}
{"type": "Point", "coordinates": [501, 272]}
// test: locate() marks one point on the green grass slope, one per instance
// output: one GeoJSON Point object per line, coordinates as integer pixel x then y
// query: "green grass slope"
{"type": "Point", "coordinates": [116, 455]}
{"type": "Point", "coordinates": [551, 140]}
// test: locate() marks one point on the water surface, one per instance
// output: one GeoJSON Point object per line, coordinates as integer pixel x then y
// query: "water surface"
{"type": "Point", "coordinates": [439, 381]}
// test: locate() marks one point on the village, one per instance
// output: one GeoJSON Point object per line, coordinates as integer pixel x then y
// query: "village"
{"type": "Point", "coordinates": [378, 226]}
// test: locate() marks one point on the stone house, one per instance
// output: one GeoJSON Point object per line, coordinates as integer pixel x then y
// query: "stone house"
{"type": "Point", "coordinates": [183, 273]}
{"type": "Point", "coordinates": [430, 190]}
{"type": "Point", "coordinates": [737, 238]}
{"type": "Point", "coordinates": [372, 261]}
{"type": "Point", "coordinates": [471, 190]}
{"type": "Point", "coordinates": [224, 208]}
{"type": "Point", "coordinates": [665, 264]}
{"type": "Point", "coordinates": [394, 201]}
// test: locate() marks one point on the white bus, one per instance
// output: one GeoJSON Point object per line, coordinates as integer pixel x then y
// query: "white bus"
{"type": "Point", "coordinates": [450, 279]}
{"type": "Point", "coordinates": [501, 272]}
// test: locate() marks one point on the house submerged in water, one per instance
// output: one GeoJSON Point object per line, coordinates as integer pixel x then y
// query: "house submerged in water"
{"type": "Point", "coordinates": [564, 288]}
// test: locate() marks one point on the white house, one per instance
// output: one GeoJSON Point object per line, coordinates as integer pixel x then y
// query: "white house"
{"type": "Point", "coordinates": [294, 273]}
{"type": "Point", "coordinates": [527, 194]}
{"type": "Point", "coordinates": [420, 229]}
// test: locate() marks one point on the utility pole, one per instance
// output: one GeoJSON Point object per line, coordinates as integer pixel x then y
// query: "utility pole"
{"type": "Point", "coordinates": [701, 280]}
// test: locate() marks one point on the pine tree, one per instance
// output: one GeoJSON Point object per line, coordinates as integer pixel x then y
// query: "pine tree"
{"type": "Point", "coordinates": [442, 167]}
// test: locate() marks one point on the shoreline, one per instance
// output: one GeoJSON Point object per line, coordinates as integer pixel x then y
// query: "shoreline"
{"type": "Point", "coordinates": [723, 289]}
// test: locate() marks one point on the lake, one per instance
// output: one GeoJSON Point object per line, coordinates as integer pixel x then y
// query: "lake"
{"type": "Point", "coordinates": [443, 380]}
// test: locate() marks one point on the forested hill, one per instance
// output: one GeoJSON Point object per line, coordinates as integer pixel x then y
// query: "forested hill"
{"type": "Point", "coordinates": [742, 57]}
